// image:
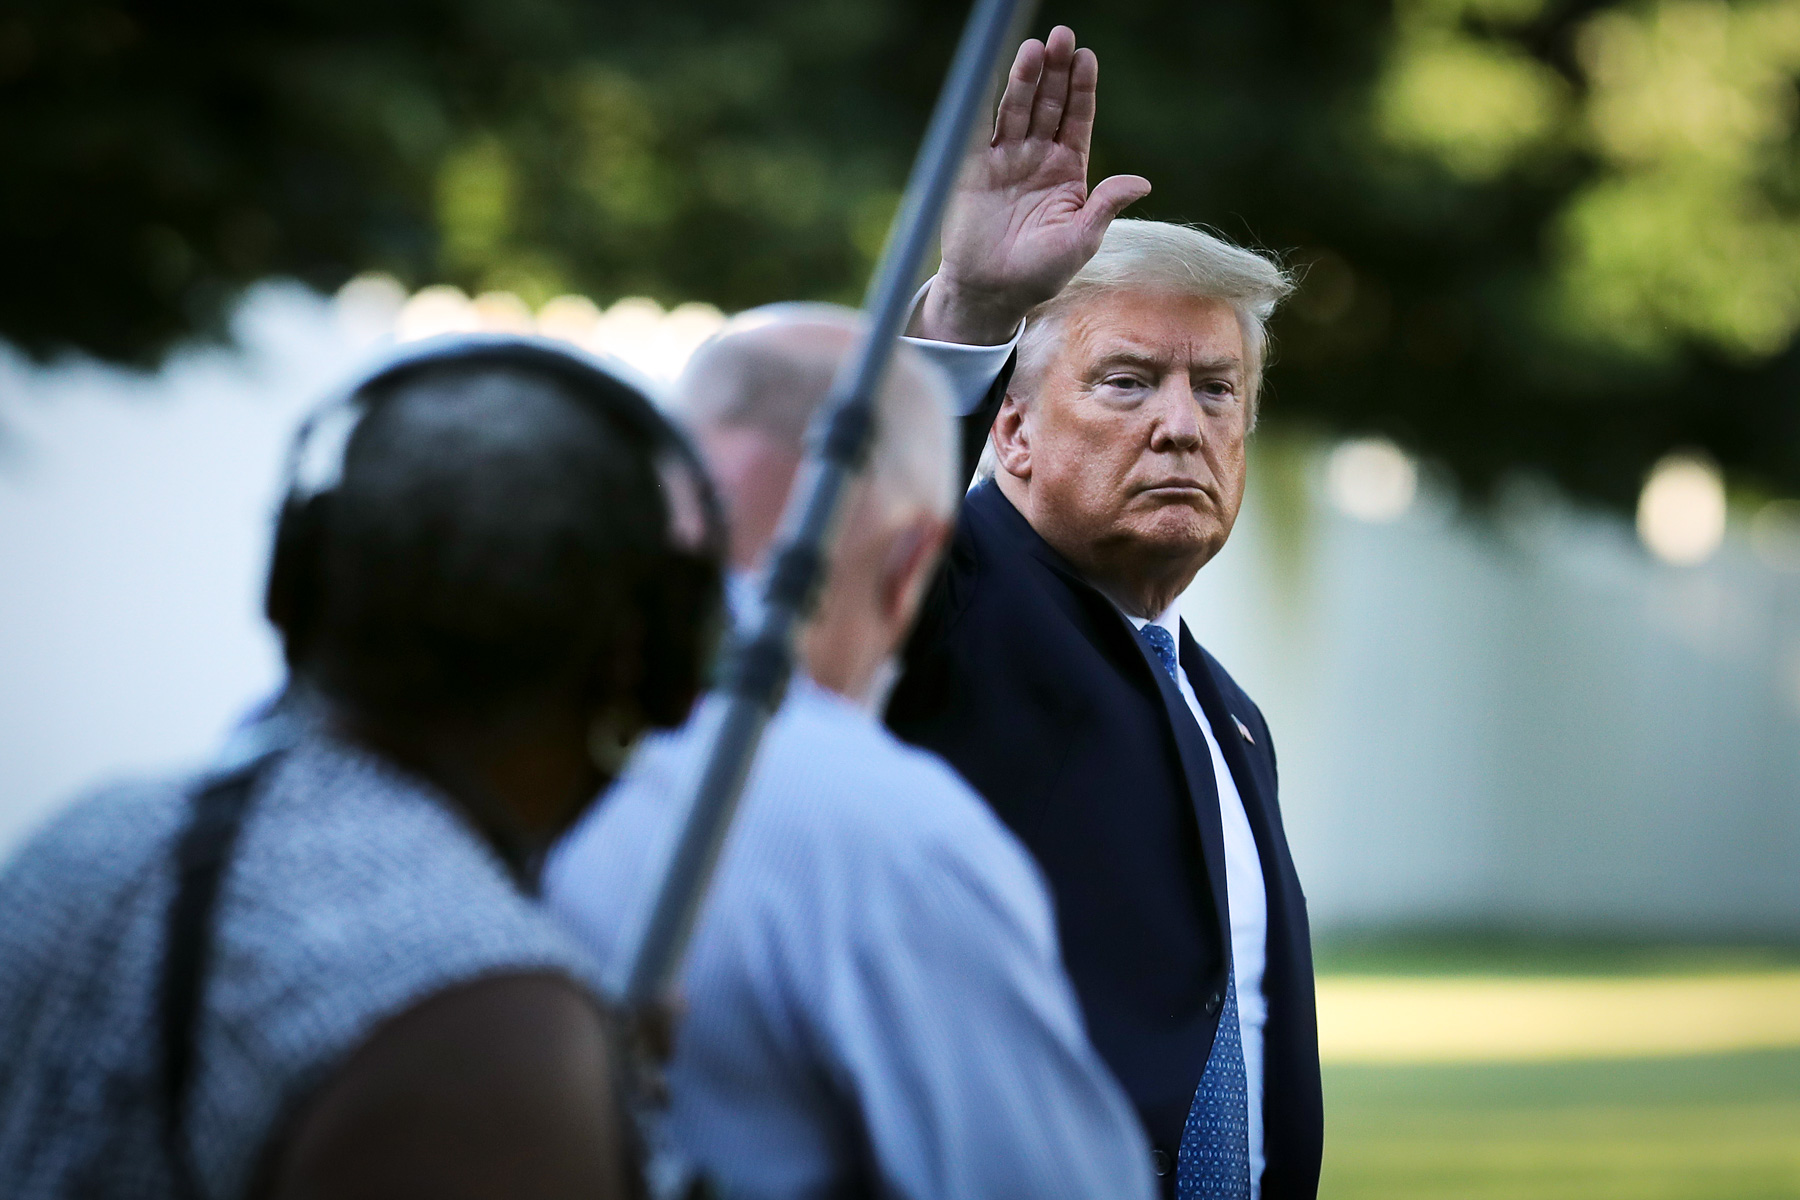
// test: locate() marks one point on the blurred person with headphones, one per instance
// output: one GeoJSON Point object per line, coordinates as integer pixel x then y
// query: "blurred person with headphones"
{"type": "Point", "coordinates": [322, 971]}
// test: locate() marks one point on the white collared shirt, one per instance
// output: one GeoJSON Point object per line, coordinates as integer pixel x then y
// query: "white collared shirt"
{"type": "Point", "coordinates": [971, 369]}
{"type": "Point", "coordinates": [1249, 903]}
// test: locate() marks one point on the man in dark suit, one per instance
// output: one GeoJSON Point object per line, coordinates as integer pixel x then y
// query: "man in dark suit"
{"type": "Point", "coordinates": [1051, 667]}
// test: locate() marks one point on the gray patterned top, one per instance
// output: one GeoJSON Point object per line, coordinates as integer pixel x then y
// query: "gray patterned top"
{"type": "Point", "coordinates": [354, 893]}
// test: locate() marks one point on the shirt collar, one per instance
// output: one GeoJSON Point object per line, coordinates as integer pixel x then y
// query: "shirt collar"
{"type": "Point", "coordinates": [1169, 619]}
{"type": "Point", "coordinates": [743, 604]}
{"type": "Point", "coordinates": [743, 597]}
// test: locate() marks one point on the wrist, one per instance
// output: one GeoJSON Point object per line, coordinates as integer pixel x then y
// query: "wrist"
{"type": "Point", "coordinates": [953, 312]}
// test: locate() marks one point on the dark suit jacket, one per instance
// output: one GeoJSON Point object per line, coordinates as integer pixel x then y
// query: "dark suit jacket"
{"type": "Point", "coordinates": [1034, 686]}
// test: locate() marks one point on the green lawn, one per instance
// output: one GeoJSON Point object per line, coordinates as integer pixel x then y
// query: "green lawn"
{"type": "Point", "coordinates": [1714, 1128]}
{"type": "Point", "coordinates": [1705, 1128]}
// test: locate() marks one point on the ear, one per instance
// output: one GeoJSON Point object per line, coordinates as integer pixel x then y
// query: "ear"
{"type": "Point", "coordinates": [1012, 438]}
{"type": "Point", "coordinates": [912, 558]}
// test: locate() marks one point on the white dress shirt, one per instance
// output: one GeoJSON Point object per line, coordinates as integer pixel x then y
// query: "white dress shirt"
{"type": "Point", "coordinates": [972, 369]}
{"type": "Point", "coordinates": [1249, 902]}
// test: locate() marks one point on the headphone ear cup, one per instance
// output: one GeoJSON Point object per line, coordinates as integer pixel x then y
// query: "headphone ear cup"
{"type": "Point", "coordinates": [295, 593]}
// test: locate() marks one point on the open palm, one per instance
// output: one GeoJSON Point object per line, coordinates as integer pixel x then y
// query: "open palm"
{"type": "Point", "coordinates": [1023, 219]}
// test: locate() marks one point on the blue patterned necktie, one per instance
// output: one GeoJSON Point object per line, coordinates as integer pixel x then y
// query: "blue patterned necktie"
{"type": "Point", "coordinates": [1214, 1161]}
{"type": "Point", "coordinates": [1163, 642]}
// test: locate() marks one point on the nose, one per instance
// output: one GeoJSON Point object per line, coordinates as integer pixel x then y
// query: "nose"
{"type": "Point", "coordinates": [1176, 424]}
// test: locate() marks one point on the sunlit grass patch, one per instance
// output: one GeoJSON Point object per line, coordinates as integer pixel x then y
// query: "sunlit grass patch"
{"type": "Point", "coordinates": [1405, 1019]}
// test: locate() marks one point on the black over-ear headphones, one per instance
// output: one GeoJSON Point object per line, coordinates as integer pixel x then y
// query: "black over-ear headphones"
{"type": "Point", "coordinates": [683, 612]}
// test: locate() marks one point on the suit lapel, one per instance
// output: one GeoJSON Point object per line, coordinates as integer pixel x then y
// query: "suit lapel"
{"type": "Point", "coordinates": [1110, 625]}
{"type": "Point", "coordinates": [1265, 822]}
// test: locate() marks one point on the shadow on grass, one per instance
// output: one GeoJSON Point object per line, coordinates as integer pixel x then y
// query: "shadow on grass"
{"type": "Point", "coordinates": [1489, 952]}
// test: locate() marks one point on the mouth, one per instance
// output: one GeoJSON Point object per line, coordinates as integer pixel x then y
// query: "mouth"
{"type": "Point", "coordinates": [1175, 487]}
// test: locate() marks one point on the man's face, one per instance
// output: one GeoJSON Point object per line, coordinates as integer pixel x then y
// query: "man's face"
{"type": "Point", "coordinates": [1132, 445]}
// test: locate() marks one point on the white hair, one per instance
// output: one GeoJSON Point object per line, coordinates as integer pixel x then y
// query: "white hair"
{"type": "Point", "coordinates": [771, 369]}
{"type": "Point", "coordinates": [1157, 256]}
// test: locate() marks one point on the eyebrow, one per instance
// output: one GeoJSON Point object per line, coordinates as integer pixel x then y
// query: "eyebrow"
{"type": "Point", "coordinates": [1139, 358]}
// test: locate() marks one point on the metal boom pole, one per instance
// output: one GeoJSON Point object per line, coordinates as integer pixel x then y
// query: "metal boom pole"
{"type": "Point", "coordinates": [758, 667]}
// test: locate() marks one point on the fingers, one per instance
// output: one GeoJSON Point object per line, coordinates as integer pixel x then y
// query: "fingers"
{"type": "Point", "coordinates": [1110, 197]}
{"type": "Point", "coordinates": [1077, 131]}
{"type": "Point", "coordinates": [1014, 117]}
{"type": "Point", "coordinates": [1053, 86]}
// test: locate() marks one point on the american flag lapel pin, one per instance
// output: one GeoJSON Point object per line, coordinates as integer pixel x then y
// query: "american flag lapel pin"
{"type": "Point", "coordinates": [1243, 729]}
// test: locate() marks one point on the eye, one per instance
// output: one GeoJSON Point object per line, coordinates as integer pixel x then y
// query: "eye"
{"type": "Point", "coordinates": [1218, 389]}
{"type": "Point", "coordinates": [1122, 381]}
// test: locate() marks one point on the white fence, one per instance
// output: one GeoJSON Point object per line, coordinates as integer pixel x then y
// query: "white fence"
{"type": "Point", "coordinates": [1521, 721]}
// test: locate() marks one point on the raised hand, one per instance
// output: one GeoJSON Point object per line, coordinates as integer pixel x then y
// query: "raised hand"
{"type": "Point", "coordinates": [1023, 221]}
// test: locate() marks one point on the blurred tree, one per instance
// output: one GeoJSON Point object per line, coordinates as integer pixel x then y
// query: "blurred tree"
{"type": "Point", "coordinates": [1557, 235]}
{"type": "Point", "coordinates": [159, 155]}
{"type": "Point", "coordinates": [1539, 235]}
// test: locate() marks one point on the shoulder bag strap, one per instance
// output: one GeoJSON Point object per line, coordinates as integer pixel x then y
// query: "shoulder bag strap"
{"type": "Point", "coordinates": [201, 856]}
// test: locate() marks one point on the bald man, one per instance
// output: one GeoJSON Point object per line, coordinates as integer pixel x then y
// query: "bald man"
{"type": "Point", "coordinates": [875, 1002]}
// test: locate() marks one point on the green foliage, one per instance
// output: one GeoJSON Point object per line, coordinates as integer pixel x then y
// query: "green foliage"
{"type": "Point", "coordinates": [1556, 235]}
{"type": "Point", "coordinates": [159, 156]}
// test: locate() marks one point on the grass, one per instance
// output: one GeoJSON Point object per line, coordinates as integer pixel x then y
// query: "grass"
{"type": "Point", "coordinates": [1721, 1127]}
{"type": "Point", "coordinates": [1696, 1127]}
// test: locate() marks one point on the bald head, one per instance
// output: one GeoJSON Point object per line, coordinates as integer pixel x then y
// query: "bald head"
{"type": "Point", "coordinates": [752, 391]}
{"type": "Point", "coordinates": [750, 395]}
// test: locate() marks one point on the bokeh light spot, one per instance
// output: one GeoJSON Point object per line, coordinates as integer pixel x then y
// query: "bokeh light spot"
{"type": "Point", "coordinates": [1681, 511]}
{"type": "Point", "coordinates": [1371, 479]}
{"type": "Point", "coordinates": [503, 312]}
{"type": "Point", "coordinates": [436, 310]}
{"type": "Point", "coordinates": [1775, 534]}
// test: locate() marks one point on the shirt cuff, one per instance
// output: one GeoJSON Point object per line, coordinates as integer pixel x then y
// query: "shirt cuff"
{"type": "Point", "coordinates": [972, 369]}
